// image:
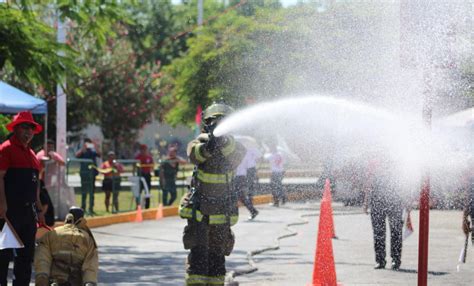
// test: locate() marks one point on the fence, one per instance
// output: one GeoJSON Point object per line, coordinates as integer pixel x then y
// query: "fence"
{"type": "Point", "coordinates": [129, 194]}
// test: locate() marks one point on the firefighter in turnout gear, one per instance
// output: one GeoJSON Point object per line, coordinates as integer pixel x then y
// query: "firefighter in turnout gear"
{"type": "Point", "coordinates": [210, 206]}
{"type": "Point", "coordinates": [68, 254]}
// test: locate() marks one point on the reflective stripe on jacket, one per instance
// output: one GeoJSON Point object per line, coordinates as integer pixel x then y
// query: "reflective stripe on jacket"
{"type": "Point", "coordinates": [192, 279]}
{"type": "Point", "coordinates": [211, 178]}
{"type": "Point", "coordinates": [214, 176]}
{"type": "Point", "coordinates": [187, 213]}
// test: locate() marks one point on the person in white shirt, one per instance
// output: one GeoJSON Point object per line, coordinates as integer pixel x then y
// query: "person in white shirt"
{"type": "Point", "coordinates": [252, 179]}
{"type": "Point", "coordinates": [277, 164]}
{"type": "Point", "coordinates": [241, 180]}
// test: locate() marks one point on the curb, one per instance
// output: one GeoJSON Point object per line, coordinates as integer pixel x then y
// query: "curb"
{"type": "Point", "coordinates": [150, 214]}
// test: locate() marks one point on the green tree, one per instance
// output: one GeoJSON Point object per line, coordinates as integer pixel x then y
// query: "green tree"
{"type": "Point", "coordinates": [155, 31]}
{"type": "Point", "coordinates": [275, 52]}
{"type": "Point", "coordinates": [3, 130]}
{"type": "Point", "coordinates": [121, 98]}
{"type": "Point", "coordinates": [122, 77]}
{"type": "Point", "coordinates": [28, 49]}
{"type": "Point", "coordinates": [228, 60]}
{"type": "Point", "coordinates": [28, 46]}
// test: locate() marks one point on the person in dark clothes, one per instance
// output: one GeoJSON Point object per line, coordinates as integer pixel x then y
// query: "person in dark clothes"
{"type": "Point", "coordinates": [382, 195]}
{"type": "Point", "coordinates": [168, 171]}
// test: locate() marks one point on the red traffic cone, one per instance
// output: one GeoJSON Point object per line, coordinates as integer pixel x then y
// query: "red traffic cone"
{"type": "Point", "coordinates": [324, 269]}
{"type": "Point", "coordinates": [159, 212]}
{"type": "Point", "coordinates": [139, 217]}
{"type": "Point", "coordinates": [327, 195]}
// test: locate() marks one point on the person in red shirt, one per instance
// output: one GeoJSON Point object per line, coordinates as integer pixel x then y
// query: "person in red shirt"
{"type": "Point", "coordinates": [111, 183]}
{"type": "Point", "coordinates": [19, 195]}
{"type": "Point", "coordinates": [144, 170]}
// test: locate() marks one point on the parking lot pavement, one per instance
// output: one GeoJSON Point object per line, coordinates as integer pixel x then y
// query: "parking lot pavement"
{"type": "Point", "coordinates": [151, 253]}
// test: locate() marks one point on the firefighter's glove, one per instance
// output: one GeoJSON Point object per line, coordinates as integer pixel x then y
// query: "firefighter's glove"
{"type": "Point", "coordinates": [41, 280]}
{"type": "Point", "coordinates": [216, 143]}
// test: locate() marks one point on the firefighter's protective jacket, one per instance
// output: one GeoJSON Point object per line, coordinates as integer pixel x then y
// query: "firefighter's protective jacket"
{"type": "Point", "coordinates": [213, 179]}
{"type": "Point", "coordinates": [68, 254]}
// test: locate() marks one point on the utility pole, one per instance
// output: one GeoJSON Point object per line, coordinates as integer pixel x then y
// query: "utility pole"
{"type": "Point", "coordinates": [200, 7]}
{"type": "Point", "coordinates": [61, 130]}
{"type": "Point", "coordinates": [428, 44]}
{"type": "Point", "coordinates": [61, 101]}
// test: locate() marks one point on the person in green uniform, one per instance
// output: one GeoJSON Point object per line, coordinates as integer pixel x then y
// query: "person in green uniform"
{"type": "Point", "coordinates": [88, 174]}
{"type": "Point", "coordinates": [169, 168]}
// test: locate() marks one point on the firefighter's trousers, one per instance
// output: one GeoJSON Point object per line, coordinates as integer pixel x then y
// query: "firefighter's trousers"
{"type": "Point", "coordinates": [209, 244]}
{"type": "Point", "coordinates": [381, 209]}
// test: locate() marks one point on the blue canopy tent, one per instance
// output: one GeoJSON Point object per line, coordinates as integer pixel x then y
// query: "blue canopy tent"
{"type": "Point", "coordinates": [13, 100]}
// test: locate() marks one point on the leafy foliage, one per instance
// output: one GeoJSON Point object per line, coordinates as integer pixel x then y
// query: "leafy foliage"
{"type": "Point", "coordinates": [3, 130]}
{"type": "Point", "coordinates": [122, 99]}
{"type": "Point", "coordinates": [231, 60]}
{"type": "Point", "coordinates": [28, 48]}
{"type": "Point", "coordinates": [126, 62]}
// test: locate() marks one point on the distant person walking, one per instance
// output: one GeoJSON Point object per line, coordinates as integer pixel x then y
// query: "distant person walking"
{"type": "Point", "coordinates": [112, 181]}
{"type": "Point", "coordinates": [19, 196]}
{"type": "Point", "coordinates": [243, 180]}
{"type": "Point", "coordinates": [252, 179]}
{"type": "Point", "coordinates": [277, 166]}
{"type": "Point", "coordinates": [382, 195]}
{"type": "Point", "coordinates": [169, 168]}
{"type": "Point", "coordinates": [144, 170]}
{"type": "Point", "coordinates": [88, 173]}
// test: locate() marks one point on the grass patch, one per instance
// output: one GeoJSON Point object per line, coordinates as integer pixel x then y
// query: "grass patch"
{"type": "Point", "coordinates": [126, 200]}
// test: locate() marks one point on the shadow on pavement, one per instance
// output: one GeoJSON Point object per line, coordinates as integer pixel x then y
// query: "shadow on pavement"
{"type": "Point", "coordinates": [434, 273]}
{"type": "Point", "coordinates": [120, 264]}
{"type": "Point", "coordinates": [133, 236]}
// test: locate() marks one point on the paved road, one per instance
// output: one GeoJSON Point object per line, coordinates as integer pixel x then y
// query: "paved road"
{"type": "Point", "coordinates": [151, 253]}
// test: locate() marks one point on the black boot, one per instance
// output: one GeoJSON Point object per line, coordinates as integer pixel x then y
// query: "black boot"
{"type": "Point", "coordinates": [379, 265]}
{"type": "Point", "coordinates": [396, 265]}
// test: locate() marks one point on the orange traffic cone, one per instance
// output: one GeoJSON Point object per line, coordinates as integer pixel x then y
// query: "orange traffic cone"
{"type": "Point", "coordinates": [328, 196]}
{"type": "Point", "coordinates": [324, 269]}
{"type": "Point", "coordinates": [139, 217]}
{"type": "Point", "coordinates": [159, 212]}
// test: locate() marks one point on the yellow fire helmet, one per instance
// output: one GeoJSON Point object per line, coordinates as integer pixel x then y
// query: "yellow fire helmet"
{"type": "Point", "coordinates": [217, 110]}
